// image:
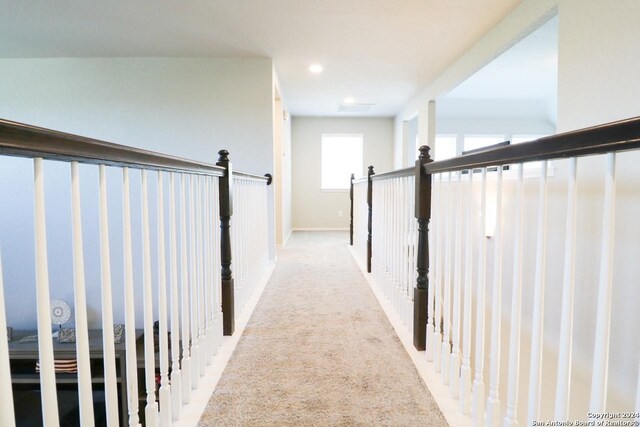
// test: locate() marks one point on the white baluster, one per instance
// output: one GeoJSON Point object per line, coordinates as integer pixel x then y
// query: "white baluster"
{"type": "Point", "coordinates": [85, 394]}
{"type": "Point", "coordinates": [637, 410]}
{"type": "Point", "coordinates": [448, 282]}
{"type": "Point", "coordinates": [535, 374]}
{"type": "Point", "coordinates": [151, 408]}
{"type": "Point", "coordinates": [455, 352]}
{"type": "Point", "coordinates": [603, 318]}
{"type": "Point", "coordinates": [176, 374]}
{"type": "Point", "coordinates": [7, 417]}
{"type": "Point", "coordinates": [465, 371]}
{"type": "Point", "coordinates": [434, 257]}
{"type": "Point", "coordinates": [566, 315]}
{"type": "Point", "coordinates": [440, 229]}
{"type": "Point", "coordinates": [209, 267]}
{"type": "Point", "coordinates": [109, 359]}
{"type": "Point", "coordinates": [477, 407]}
{"type": "Point", "coordinates": [130, 317]}
{"type": "Point", "coordinates": [184, 286]}
{"type": "Point", "coordinates": [201, 279]}
{"type": "Point", "coordinates": [193, 286]}
{"type": "Point", "coordinates": [164, 394]}
{"type": "Point", "coordinates": [493, 401]}
{"type": "Point", "coordinates": [511, 417]}
{"type": "Point", "coordinates": [45, 342]}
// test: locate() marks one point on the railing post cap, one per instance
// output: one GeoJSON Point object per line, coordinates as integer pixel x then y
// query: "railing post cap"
{"type": "Point", "coordinates": [224, 156]}
{"type": "Point", "coordinates": [424, 152]}
{"type": "Point", "coordinates": [371, 172]}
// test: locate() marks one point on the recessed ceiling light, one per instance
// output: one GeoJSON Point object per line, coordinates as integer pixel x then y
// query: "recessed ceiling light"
{"type": "Point", "coordinates": [316, 68]}
{"type": "Point", "coordinates": [349, 100]}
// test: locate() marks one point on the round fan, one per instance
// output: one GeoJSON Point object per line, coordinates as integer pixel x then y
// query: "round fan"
{"type": "Point", "coordinates": [60, 312]}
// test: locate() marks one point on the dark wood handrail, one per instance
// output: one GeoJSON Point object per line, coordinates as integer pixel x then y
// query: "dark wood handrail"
{"type": "Point", "coordinates": [250, 175]}
{"type": "Point", "coordinates": [606, 138]}
{"type": "Point", "coordinates": [394, 173]}
{"type": "Point", "coordinates": [22, 140]}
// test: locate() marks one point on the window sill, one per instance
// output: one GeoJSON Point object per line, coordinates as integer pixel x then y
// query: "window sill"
{"type": "Point", "coordinates": [334, 190]}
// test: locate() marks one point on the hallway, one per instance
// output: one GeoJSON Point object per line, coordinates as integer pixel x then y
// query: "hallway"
{"type": "Point", "coordinates": [319, 351]}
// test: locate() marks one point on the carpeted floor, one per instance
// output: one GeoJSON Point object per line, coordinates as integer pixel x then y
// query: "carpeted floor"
{"type": "Point", "coordinates": [319, 351]}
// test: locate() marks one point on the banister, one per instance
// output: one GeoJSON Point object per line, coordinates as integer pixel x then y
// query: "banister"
{"type": "Point", "coordinates": [22, 140]}
{"type": "Point", "coordinates": [264, 178]}
{"type": "Point", "coordinates": [394, 173]}
{"type": "Point", "coordinates": [615, 136]}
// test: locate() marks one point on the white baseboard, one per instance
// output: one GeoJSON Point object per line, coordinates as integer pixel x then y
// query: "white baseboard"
{"type": "Point", "coordinates": [321, 229]}
{"type": "Point", "coordinates": [441, 394]}
{"type": "Point", "coordinates": [191, 413]}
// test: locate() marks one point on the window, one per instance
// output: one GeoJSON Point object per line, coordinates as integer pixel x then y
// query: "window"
{"type": "Point", "coordinates": [518, 139]}
{"type": "Point", "coordinates": [446, 147]}
{"type": "Point", "coordinates": [341, 156]}
{"type": "Point", "coordinates": [473, 142]}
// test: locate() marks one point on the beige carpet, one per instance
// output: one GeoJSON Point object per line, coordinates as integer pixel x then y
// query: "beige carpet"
{"type": "Point", "coordinates": [319, 351]}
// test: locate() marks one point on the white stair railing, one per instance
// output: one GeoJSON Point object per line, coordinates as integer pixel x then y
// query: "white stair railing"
{"type": "Point", "coordinates": [488, 274]}
{"type": "Point", "coordinates": [175, 238]}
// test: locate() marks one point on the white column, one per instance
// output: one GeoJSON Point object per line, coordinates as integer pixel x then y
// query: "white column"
{"type": "Point", "coordinates": [151, 408]}
{"type": "Point", "coordinates": [603, 317]}
{"type": "Point", "coordinates": [45, 343]}
{"type": "Point", "coordinates": [465, 372]}
{"type": "Point", "coordinates": [566, 314]}
{"type": "Point", "coordinates": [130, 317]}
{"type": "Point", "coordinates": [511, 418]}
{"type": "Point", "coordinates": [184, 287]}
{"type": "Point", "coordinates": [85, 394]}
{"type": "Point", "coordinates": [477, 407]}
{"type": "Point", "coordinates": [7, 417]}
{"type": "Point", "coordinates": [176, 374]}
{"type": "Point", "coordinates": [535, 373]}
{"type": "Point", "coordinates": [164, 393]}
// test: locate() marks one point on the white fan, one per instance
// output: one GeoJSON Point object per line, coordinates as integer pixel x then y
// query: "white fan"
{"type": "Point", "coordinates": [60, 312]}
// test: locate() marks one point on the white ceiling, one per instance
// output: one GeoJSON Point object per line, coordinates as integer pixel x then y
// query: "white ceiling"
{"type": "Point", "coordinates": [376, 51]}
{"type": "Point", "coordinates": [521, 82]}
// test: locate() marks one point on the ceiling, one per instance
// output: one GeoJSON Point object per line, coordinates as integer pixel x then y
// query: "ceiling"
{"type": "Point", "coordinates": [379, 52]}
{"type": "Point", "coordinates": [521, 82]}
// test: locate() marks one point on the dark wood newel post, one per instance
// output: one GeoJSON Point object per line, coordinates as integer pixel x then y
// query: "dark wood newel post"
{"type": "Point", "coordinates": [423, 215]}
{"type": "Point", "coordinates": [351, 215]}
{"type": "Point", "coordinates": [226, 210]}
{"type": "Point", "coordinates": [369, 205]}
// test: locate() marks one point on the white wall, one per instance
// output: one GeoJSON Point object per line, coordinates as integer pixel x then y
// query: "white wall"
{"type": "Point", "coordinates": [312, 207]}
{"type": "Point", "coordinates": [186, 107]}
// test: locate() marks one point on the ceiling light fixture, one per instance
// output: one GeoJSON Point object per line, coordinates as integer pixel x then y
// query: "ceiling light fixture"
{"type": "Point", "coordinates": [316, 68]}
{"type": "Point", "coordinates": [349, 100]}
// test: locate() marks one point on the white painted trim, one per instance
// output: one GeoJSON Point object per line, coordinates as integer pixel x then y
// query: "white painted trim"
{"type": "Point", "coordinates": [320, 229]}
{"type": "Point", "coordinates": [286, 239]}
{"type": "Point", "coordinates": [440, 393]}
{"type": "Point", "coordinates": [192, 412]}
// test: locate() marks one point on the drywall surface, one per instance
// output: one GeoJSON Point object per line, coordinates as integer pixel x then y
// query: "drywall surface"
{"type": "Point", "coordinates": [598, 62]}
{"type": "Point", "coordinates": [189, 107]}
{"type": "Point", "coordinates": [312, 207]}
